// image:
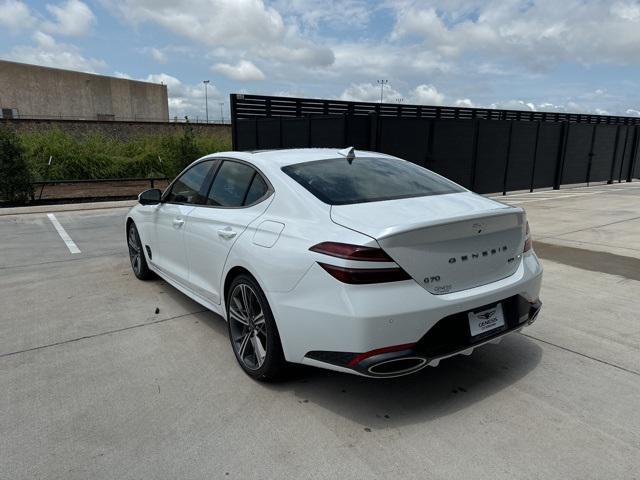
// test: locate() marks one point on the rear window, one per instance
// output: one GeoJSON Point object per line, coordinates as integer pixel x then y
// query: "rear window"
{"type": "Point", "coordinates": [338, 182]}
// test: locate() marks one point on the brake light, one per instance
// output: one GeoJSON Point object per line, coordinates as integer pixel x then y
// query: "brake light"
{"type": "Point", "coordinates": [351, 252]}
{"type": "Point", "coordinates": [364, 276]}
{"type": "Point", "coordinates": [359, 253]}
{"type": "Point", "coordinates": [528, 244]}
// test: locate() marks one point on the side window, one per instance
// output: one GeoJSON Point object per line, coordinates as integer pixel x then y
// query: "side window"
{"type": "Point", "coordinates": [230, 185]}
{"type": "Point", "coordinates": [188, 188]}
{"type": "Point", "coordinates": [257, 190]}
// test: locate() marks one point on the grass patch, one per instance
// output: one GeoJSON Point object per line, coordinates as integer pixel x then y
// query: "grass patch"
{"type": "Point", "coordinates": [100, 156]}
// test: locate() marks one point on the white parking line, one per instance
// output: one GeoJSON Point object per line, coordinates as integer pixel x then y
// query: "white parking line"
{"type": "Point", "coordinates": [73, 248]}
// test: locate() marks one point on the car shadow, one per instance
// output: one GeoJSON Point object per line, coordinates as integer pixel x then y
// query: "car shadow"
{"type": "Point", "coordinates": [456, 384]}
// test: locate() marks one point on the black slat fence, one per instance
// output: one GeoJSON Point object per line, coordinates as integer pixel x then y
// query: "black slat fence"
{"type": "Point", "coordinates": [483, 149]}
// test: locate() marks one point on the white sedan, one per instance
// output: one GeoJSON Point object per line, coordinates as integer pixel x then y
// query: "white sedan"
{"type": "Point", "coordinates": [349, 260]}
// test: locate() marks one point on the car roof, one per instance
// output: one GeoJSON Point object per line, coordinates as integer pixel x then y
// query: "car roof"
{"type": "Point", "coordinates": [292, 156]}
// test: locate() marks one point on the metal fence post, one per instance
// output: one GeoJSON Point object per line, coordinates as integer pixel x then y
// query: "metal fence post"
{"type": "Point", "coordinates": [590, 156]}
{"type": "Point", "coordinates": [634, 154]}
{"type": "Point", "coordinates": [234, 122]}
{"type": "Point", "coordinates": [345, 130]}
{"type": "Point", "coordinates": [506, 165]}
{"type": "Point", "coordinates": [615, 155]}
{"type": "Point", "coordinates": [255, 122]}
{"type": "Point", "coordinates": [624, 152]}
{"type": "Point", "coordinates": [535, 157]}
{"type": "Point", "coordinates": [562, 152]}
{"type": "Point", "coordinates": [474, 153]}
{"type": "Point", "coordinates": [373, 131]}
{"type": "Point", "coordinates": [431, 126]}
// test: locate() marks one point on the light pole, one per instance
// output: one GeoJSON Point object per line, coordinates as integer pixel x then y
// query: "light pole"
{"type": "Point", "coordinates": [382, 83]}
{"type": "Point", "coordinates": [206, 99]}
{"type": "Point", "coordinates": [221, 112]}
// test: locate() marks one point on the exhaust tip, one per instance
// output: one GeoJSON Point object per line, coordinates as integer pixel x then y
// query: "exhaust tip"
{"type": "Point", "coordinates": [398, 366]}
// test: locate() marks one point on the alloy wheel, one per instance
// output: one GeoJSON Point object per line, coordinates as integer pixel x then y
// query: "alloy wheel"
{"type": "Point", "coordinates": [247, 326]}
{"type": "Point", "coordinates": [135, 250]}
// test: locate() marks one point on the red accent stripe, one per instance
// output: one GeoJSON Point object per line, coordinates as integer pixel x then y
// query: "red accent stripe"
{"type": "Point", "coordinates": [378, 351]}
{"type": "Point", "coordinates": [351, 252]}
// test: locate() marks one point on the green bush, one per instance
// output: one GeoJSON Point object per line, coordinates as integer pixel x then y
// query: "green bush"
{"type": "Point", "coordinates": [15, 178]}
{"type": "Point", "coordinates": [100, 156]}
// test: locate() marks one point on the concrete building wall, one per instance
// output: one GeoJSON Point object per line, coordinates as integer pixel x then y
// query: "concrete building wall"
{"type": "Point", "coordinates": [41, 92]}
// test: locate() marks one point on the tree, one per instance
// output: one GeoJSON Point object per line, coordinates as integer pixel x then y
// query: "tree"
{"type": "Point", "coordinates": [15, 179]}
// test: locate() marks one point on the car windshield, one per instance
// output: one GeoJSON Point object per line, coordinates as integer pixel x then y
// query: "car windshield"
{"type": "Point", "coordinates": [339, 181]}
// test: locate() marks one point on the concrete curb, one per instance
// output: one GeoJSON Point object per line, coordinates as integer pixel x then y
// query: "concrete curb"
{"type": "Point", "coordinates": [67, 207]}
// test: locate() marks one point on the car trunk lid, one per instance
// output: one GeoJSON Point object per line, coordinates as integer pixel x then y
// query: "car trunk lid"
{"type": "Point", "coordinates": [447, 243]}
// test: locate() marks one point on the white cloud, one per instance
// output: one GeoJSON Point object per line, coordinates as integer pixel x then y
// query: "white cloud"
{"type": "Point", "coordinates": [520, 54]}
{"type": "Point", "coordinates": [72, 17]}
{"type": "Point", "coordinates": [536, 34]}
{"type": "Point", "coordinates": [189, 100]}
{"type": "Point", "coordinates": [362, 62]}
{"type": "Point", "coordinates": [15, 16]}
{"type": "Point", "coordinates": [48, 52]}
{"type": "Point", "coordinates": [426, 95]}
{"type": "Point", "coordinates": [368, 92]}
{"type": "Point", "coordinates": [429, 95]}
{"type": "Point", "coordinates": [335, 14]}
{"type": "Point", "coordinates": [514, 105]}
{"type": "Point", "coordinates": [233, 25]}
{"type": "Point", "coordinates": [628, 10]}
{"type": "Point", "coordinates": [243, 71]}
{"type": "Point", "coordinates": [464, 102]}
{"type": "Point", "coordinates": [157, 54]}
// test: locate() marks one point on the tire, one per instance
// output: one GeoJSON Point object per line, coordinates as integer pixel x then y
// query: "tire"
{"type": "Point", "coordinates": [253, 332]}
{"type": "Point", "coordinates": [136, 254]}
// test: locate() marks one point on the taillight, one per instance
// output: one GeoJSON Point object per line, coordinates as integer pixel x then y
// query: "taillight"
{"type": "Point", "coordinates": [359, 276]}
{"type": "Point", "coordinates": [364, 276]}
{"type": "Point", "coordinates": [351, 252]}
{"type": "Point", "coordinates": [527, 239]}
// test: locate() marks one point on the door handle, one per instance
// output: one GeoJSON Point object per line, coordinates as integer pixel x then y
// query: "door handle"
{"type": "Point", "coordinates": [178, 222]}
{"type": "Point", "coordinates": [227, 233]}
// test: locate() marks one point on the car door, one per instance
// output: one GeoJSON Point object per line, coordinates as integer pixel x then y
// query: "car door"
{"type": "Point", "coordinates": [238, 195]}
{"type": "Point", "coordinates": [168, 250]}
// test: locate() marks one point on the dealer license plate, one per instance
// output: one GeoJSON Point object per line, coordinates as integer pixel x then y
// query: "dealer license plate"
{"type": "Point", "coordinates": [486, 320]}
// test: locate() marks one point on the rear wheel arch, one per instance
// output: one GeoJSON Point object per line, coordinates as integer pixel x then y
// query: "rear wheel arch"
{"type": "Point", "coordinates": [230, 277]}
{"type": "Point", "coordinates": [232, 274]}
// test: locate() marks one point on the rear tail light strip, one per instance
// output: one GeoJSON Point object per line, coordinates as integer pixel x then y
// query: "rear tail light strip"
{"type": "Point", "coordinates": [365, 276]}
{"type": "Point", "coordinates": [528, 244]}
{"type": "Point", "coordinates": [359, 253]}
{"type": "Point", "coordinates": [351, 252]}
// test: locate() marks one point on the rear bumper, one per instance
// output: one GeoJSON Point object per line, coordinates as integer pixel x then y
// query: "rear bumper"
{"type": "Point", "coordinates": [449, 337]}
{"type": "Point", "coordinates": [323, 315]}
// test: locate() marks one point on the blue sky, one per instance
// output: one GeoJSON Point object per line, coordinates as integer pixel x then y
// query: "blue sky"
{"type": "Point", "coordinates": [574, 55]}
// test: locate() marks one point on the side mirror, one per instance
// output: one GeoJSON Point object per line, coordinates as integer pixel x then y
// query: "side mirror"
{"type": "Point", "coordinates": [150, 197]}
